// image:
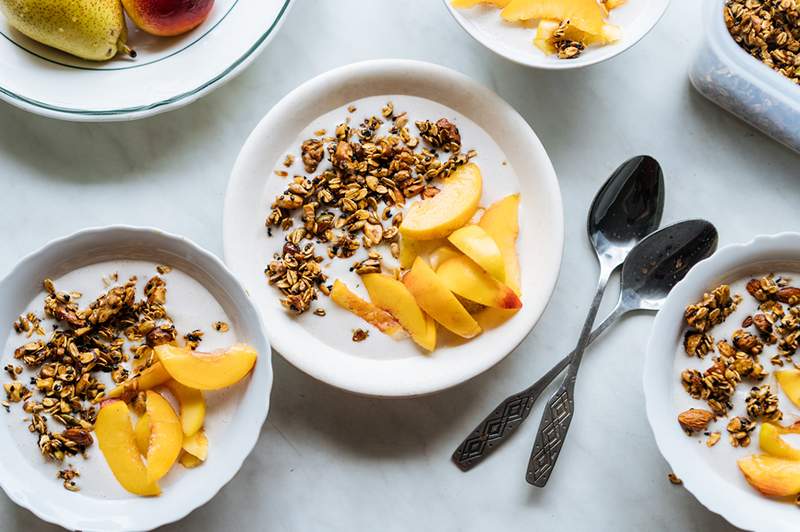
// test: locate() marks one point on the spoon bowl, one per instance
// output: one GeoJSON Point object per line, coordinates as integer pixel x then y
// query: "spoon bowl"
{"type": "Point", "coordinates": [661, 260]}
{"type": "Point", "coordinates": [627, 208]}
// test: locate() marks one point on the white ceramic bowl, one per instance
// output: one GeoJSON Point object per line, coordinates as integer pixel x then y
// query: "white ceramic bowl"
{"type": "Point", "coordinates": [30, 481]}
{"type": "Point", "coordinates": [483, 23]}
{"type": "Point", "coordinates": [322, 347]}
{"type": "Point", "coordinates": [167, 73]}
{"type": "Point", "coordinates": [711, 475]}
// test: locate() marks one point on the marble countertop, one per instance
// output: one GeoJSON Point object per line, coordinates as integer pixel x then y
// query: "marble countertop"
{"type": "Point", "coordinates": [327, 460]}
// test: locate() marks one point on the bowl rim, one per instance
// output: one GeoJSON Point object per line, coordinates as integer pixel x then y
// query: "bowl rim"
{"type": "Point", "coordinates": [159, 106]}
{"type": "Point", "coordinates": [561, 65]}
{"type": "Point", "coordinates": [717, 501]}
{"type": "Point", "coordinates": [150, 520]}
{"type": "Point", "coordinates": [386, 67]}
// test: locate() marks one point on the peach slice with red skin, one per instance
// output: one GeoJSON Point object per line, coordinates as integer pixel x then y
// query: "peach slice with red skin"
{"type": "Point", "coordinates": [438, 301]}
{"type": "Point", "coordinates": [501, 222]}
{"type": "Point", "coordinates": [207, 371]}
{"type": "Point", "coordinates": [117, 442]}
{"type": "Point", "coordinates": [464, 277]}
{"type": "Point", "coordinates": [166, 436]}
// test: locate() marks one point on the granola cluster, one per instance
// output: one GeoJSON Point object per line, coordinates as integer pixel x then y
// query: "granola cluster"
{"type": "Point", "coordinates": [363, 176]}
{"type": "Point", "coordinates": [769, 30]}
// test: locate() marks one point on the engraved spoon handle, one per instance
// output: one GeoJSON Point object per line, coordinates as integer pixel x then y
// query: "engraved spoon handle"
{"type": "Point", "coordinates": [503, 421]}
{"type": "Point", "coordinates": [560, 407]}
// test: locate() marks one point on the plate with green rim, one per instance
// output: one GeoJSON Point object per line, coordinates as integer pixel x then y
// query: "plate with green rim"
{"type": "Point", "coordinates": [166, 74]}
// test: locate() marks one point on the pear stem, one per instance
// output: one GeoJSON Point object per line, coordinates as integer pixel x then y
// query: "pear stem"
{"type": "Point", "coordinates": [124, 48]}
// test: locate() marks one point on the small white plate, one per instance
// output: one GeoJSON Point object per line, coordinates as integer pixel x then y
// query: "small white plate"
{"type": "Point", "coordinates": [712, 475]}
{"type": "Point", "coordinates": [322, 347]}
{"type": "Point", "coordinates": [234, 416]}
{"type": "Point", "coordinates": [168, 73]}
{"type": "Point", "coordinates": [514, 42]}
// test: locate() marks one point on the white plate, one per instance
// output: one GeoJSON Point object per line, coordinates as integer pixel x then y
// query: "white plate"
{"type": "Point", "coordinates": [711, 475]}
{"type": "Point", "coordinates": [234, 417]}
{"type": "Point", "coordinates": [483, 22]}
{"type": "Point", "coordinates": [167, 73]}
{"type": "Point", "coordinates": [322, 347]}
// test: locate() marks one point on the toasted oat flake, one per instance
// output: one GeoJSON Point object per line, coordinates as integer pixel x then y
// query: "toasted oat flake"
{"type": "Point", "coordinates": [220, 326]}
{"type": "Point", "coordinates": [674, 479]}
{"type": "Point", "coordinates": [163, 269]}
{"type": "Point", "coordinates": [712, 439]}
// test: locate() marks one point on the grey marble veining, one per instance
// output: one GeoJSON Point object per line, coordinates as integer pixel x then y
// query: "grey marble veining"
{"type": "Point", "coordinates": [327, 460]}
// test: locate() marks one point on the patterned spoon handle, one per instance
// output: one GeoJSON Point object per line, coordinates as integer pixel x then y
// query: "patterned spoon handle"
{"type": "Point", "coordinates": [498, 426]}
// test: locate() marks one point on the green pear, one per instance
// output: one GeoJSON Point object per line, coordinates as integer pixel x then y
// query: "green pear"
{"type": "Point", "coordinates": [90, 29]}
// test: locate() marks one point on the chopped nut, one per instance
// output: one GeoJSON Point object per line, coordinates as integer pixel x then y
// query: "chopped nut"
{"type": "Point", "coordinates": [763, 403]}
{"type": "Point", "coordinates": [748, 343]}
{"type": "Point", "coordinates": [674, 479]}
{"type": "Point", "coordinates": [712, 310]}
{"type": "Point", "coordinates": [698, 344]}
{"type": "Point", "coordinates": [739, 429]}
{"type": "Point", "coordinates": [359, 335]}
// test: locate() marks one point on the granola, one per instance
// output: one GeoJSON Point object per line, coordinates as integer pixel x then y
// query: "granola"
{"type": "Point", "coordinates": [363, 175]}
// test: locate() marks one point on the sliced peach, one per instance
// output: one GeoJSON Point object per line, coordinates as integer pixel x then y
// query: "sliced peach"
{"type": "Point", "coordinates": [197, 445]}
{"type": "Point", "coordinates": [429, 340]}
{"type": "Point", "coordinates": [586, 15]}
{"type": "Point", "coordinates": [448, 210]}
{"type": "Point", "coordinates": [491, 318]}
{"type": "Point", "coordinates": [438, 301]}
{"type": "Point", "coordinates": [207, 371]}
{"type": "Point", "coordinates": [410, 249]}
{"type": "Point", "coordinates": [391, 295]}
{"type": "Point", "coordinates": [155, 375]}
{"type": "Point", "coordinates": [478, 245]}
{"type": "Point", "coordinates": [464, 277]}
{"type": "Point", "coordinates": [166, 436]}
{"type": "Point", "coordinates": [192, 406]}
{"type": "Point", "coordinates": [189, 461]}
{"type": "Point", "coordinates": [774, 477]}
{"type": "Point", "coordinates": [770, 441]}
{"type": "Point", "coordinates": [789, 381]}
{"type": "Point", "coordinates": [614, 4]}
{"type": "Point", "coordinates": [442, 254]}
{"type": "Point", "coordinates": [142, 434]}
{"type": "Point", "coordinates": [501, 221]}
{"type": "Point", "coordinates": [118, 444]}
{"type": "Point", "coordinates": [345, 298]}
{"type": "Point", "coordinates": [462, 4]}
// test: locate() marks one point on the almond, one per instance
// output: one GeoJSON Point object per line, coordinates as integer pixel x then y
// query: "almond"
{"type": "Point", "coordinates": [789, 295]}
{"type": "Point", "coordinates": [695, 419]}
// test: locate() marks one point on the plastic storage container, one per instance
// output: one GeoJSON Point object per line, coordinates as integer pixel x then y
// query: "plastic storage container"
{"type": "Point", "coordinates": [733, 79]}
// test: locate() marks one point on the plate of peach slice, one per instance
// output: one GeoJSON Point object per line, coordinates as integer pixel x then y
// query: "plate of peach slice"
{"type": "Point", "coordinates": [722, 384]}
{"type": "Point", "coordinates": [137, 378]}
{"type": "Point", "coordinates": [403, 232]}
{"type": "Point", "coordinates": [557, 34]}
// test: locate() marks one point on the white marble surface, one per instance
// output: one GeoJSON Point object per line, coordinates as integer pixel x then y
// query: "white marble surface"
{"type": "Point", "coordinates": [330, 461]}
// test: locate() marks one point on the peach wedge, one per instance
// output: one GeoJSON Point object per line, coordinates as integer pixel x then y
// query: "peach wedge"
{"type": "Point", "coordinates": [148, 379]}
{"type": "Point", "coordinates": [142, 434]}
{"type": "Point", "coordinates": [438, 301]}
{"type": "Point", "coordinates": [477, 244]}
{"type": "Point", "coordinates": [462, 4]}
{"type": "Point", "coordinates": [207, 371]}
{"type": "Point", "coordinates": [464, 277]}
{"type": "Point", "coordinates": [166, 436]}
{"type": "Point", "coordinates": [348, 300]}
{"type": "Point", "coordinates": [448, 210]}
{"type": "Point", "coordinates": [117, 443]}
{"type": "Point", "coordinates": [192, 406]}
{"type": "Point", "coordinates": [774, 477]}
{"type": "Point", "coordinates": [789, 381]}
{"type": "Point", "coordinates": [501, 222]}
{"type": "Point", "coordinates": [391, 295]}
{"type": "Point", "coordinates": [196, 445]}
{"type": "Point", "coordinates": [770, 441]}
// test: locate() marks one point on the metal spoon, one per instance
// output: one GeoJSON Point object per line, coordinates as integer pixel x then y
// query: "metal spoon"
{"type": "Point", "coordinates": [656, 266]}
{"type": "Point", "coordinates": [649, 273]}
{"type": "Point", "coordinates": [626, 209]}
